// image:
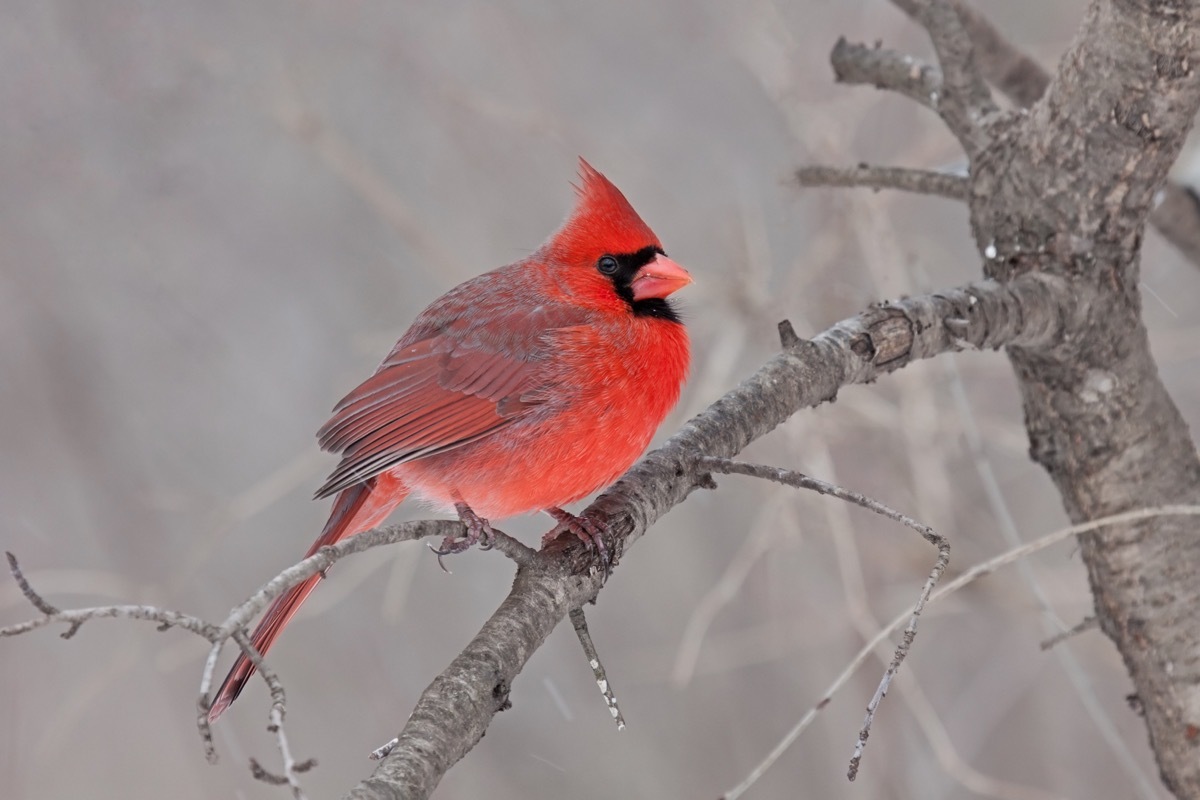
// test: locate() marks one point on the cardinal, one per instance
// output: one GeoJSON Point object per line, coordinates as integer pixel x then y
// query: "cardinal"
{"type": "Point", "coordinates": [522, 390]}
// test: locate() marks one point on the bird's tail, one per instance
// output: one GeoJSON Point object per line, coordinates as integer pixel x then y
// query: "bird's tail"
{"type": "Point", "coordinates": [357, 508]}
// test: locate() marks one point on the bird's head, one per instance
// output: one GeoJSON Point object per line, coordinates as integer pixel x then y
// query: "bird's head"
{"type": "Point", "coordinates": [605, 254]}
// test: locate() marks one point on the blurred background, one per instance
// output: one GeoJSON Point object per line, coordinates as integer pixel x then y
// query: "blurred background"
{"type": "Point", "coordinates": [217, 217]}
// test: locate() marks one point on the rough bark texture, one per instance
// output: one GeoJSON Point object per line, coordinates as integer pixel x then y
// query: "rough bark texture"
{"type": "Point", "coordinates": [1066, 189]}
{"type": "Point", "coordinates": [453, 713]}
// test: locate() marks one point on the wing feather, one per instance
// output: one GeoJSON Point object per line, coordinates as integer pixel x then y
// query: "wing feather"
{"type": "Point", "coordinates": [441, 392]}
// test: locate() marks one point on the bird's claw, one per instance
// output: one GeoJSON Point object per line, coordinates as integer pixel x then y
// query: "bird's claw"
{"type": "Point", "coordinates": [479, 531]}
{"type": "Point", "coordinates": [590, 532]}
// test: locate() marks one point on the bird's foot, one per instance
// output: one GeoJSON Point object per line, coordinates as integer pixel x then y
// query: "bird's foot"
{"type": "Point", "coordinates": [479, 531]}
{"type": "Point", "coordinates": [591, 533]}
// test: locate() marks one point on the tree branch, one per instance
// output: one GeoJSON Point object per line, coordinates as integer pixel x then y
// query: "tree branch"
{"type": "Point", "coordinates": [1014, 73]}
{"type": "Point", "coordinates": [918, 181]}
{"type": "Point", "coordinates": [858, 64]}
{"type": "Point", "coordinates": [966, 101]}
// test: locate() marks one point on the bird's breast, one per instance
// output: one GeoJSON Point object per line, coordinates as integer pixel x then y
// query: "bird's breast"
{"type": "Point", "coordinates": [607, 390]}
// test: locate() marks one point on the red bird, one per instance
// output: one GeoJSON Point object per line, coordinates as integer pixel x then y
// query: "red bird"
{"type": "Point", "coordinates": [522, 390]}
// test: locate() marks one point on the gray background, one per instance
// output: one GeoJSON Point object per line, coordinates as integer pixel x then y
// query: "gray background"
{"type": "Point", "coordinates": [216, 217]}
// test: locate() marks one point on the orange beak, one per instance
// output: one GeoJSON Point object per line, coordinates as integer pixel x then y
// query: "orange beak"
{"type": "Point", "coordinates": [659, 278]}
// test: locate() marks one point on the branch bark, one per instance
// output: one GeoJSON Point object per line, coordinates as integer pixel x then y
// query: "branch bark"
{"type": "Point", "coordinates": [918, 181]}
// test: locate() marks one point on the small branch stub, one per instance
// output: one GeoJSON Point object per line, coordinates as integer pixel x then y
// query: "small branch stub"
{"type": "Point", "coordinates": [787, 335]}
{"type": "Point", "coordinates": [579, 622]}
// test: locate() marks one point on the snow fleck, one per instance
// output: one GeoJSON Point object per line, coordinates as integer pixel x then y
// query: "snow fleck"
{"type": "Point", "coordinates": [1096, 384]}
{"type": "Point", "coordinates": [990, 250]}
{"type": "Point", "coordinates": [594, 664]}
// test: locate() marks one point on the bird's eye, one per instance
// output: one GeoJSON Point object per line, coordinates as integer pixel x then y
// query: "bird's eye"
{"type": "Point", "coordinates": [608, 265]}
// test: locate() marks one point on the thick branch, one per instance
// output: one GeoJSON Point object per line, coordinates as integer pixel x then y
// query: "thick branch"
{"type": "Point", "coordinates": [455, 710]}
{"type": "Point", "coordinates": [1014, 73]}
{"type": "Point", "coordinates": [965, 101]}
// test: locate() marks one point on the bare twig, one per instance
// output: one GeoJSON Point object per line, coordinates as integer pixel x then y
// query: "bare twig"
{"type": "Point", "coordinates": [801, 481]}
{"type": "Point", "coordinates": [579, 622]}
{"type": "Point", "coordinates": [233, 626]}
{"type": "Point", "coordinates": [30, 595]}
{"type": "Point", "coordinates": [918, 181]}
{"type": "Point", "coordinates": [291, 768]}
{"type": "Point", "coordinates": [320, 561]}
{"type": "Point", "coordinates": [859, 64]}
{"type": "Point", "coordinates": [967, 577]}
{"type": "Point", "coordinates": [945, 747]}
{"type": "Point", "coordinates": [74, 618]}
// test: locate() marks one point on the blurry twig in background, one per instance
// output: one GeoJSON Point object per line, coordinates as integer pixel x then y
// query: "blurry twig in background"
{"type": "Point", "coordinates": [975, 572]}
{"type": "Point", "coordinates": [307, 126]}
{"type": "Point", "coordinates": [761, 534]}
{"type": "Point", "coordinates": [1085, 624]}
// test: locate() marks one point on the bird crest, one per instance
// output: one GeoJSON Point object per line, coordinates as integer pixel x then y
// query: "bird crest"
{"type": "Point", "coordinates": [602, 221]}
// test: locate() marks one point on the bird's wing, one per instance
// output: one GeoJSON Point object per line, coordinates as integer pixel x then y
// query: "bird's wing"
{"type": "Point", "coordinates": [442, 391]}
